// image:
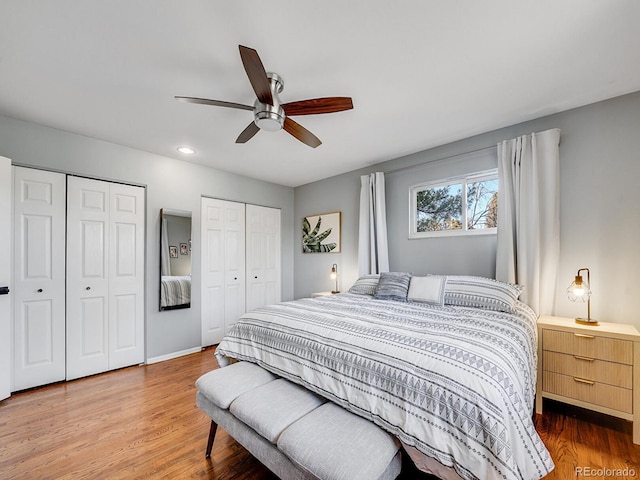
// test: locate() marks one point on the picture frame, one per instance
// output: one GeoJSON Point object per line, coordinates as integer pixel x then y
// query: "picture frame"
{"type": "Point", "coordinates": [321, 233]}
{"type": "Point", "coordinates": [173, 251]}
{"type": "Point", "coordinates": [184, 249]}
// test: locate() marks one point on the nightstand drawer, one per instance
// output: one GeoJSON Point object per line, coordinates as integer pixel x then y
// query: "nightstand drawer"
{"type": "Point", "coordinates": [589, 368]}
{"type": "Point", "coordinates": [586, 345]}
{"type": "Point", "coordinates": [616, 398]}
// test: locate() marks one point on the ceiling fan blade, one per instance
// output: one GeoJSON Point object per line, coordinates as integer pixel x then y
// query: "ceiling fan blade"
{"type": "Point", "coordinates": [257, 74]}
{"type": "Point", "coordinates": [248, 133]}
{"type": "Point", "coordinates": [318, 105]}
{"type": "Point", "coordinates": [216, 103]}
{"type": "Point", "coordinates": [301, 133]}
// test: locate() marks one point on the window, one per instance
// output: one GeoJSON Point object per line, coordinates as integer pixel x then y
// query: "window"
{"type": "Point", "coordinates": [457, 206]}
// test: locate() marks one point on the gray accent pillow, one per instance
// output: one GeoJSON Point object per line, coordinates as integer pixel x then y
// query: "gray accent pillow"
{"type": "Point", "coordinates": [481, 292]}
{"type": "Point", "coordinates": [366, 285]}
{"type": "Point", "coordinates": [393, 286]}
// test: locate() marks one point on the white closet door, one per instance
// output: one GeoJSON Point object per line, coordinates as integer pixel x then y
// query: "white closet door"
{"type": "Point", "coordinates": [263, 256]}
{"type": "Point", "coordinates": [212, 241]}
{"type": "Point", "coordinates": [223, 267]}
{"type": "Point", "coordinates": [39, 312]}
{"type": "Point", "coordinates": [126, 276]}
{"type": "Point", "coordinates": [5, 268]}
{"type": "Point", "coordinates": [87, 277]}
{"type": "Point", "coordinates": [234, 257]}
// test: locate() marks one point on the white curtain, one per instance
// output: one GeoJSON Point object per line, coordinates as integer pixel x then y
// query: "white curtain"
{"type": "Point", "coordinates": [373, 252]}
{"type": "Point", "coordinates": [528, 217]}
{"type": "Point", "coordinates": [165, 261]}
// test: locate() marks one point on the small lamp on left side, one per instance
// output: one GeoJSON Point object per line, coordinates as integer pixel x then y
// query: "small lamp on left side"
{"type": "Point", "coordinates": [334, 276]}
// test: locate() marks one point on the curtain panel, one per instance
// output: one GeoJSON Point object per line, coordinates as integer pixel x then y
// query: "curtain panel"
{"type": "Point", "coordinates": [165, 261]}
{"type": "Point", "coordinates": [528, 247]}
{"type": "Point", "coordinates": [373, 250]}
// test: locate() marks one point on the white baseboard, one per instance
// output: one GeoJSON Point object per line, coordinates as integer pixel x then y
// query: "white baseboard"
{"type": "Point", "coordinates": [169, 356]}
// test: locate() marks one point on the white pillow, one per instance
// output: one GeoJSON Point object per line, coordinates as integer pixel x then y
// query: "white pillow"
{"type": "Point", "coordinates": [429, 289]}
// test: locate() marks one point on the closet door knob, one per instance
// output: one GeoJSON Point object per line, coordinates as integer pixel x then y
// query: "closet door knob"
{"type": "Point", "coordinates": [255, 276]}
{"type": "Point", "coordinates": [40, 290]}
{"type": "Point", "coordinates": [88, 288]}
{"type": "Point", "coordinates": [235, 278]}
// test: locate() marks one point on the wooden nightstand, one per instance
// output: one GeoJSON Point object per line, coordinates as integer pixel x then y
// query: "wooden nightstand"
{"type": "Point", "coordinates": [591, 367]}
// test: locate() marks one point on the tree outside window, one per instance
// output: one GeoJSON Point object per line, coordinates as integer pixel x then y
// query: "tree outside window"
{"type": "Point", "coordinates": [466, 205]}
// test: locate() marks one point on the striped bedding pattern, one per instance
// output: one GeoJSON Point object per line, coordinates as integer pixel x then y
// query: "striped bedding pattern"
{"type": "Point", "coordinates": [455, 383]}
{"type": "Point", "coordinates": [175, 291]}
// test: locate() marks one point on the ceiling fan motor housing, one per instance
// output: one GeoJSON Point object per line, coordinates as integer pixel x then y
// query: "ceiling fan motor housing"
{"type": "Point", "coordinates": [270, 117]}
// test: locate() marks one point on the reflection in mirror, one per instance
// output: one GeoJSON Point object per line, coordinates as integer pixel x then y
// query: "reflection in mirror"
{"type": "Point", "coordinates": [175, 259]}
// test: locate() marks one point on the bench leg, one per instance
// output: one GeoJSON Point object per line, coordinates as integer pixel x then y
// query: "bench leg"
{"type": "Point", "coordinates": [212, 436]}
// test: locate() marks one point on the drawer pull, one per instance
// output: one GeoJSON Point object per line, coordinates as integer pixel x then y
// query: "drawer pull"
{"type": "Point", "coordinates": [582, 380]}
{"type": "Point", "coordinates": [582, 335]}
{"type": "Point", "coordinates": [586, 359]}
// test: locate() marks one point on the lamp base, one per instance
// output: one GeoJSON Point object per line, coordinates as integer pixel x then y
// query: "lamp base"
{"type": "Point", "coordinates": [335, 291]}
{"type": "Point", "coordinates": [590, 322]}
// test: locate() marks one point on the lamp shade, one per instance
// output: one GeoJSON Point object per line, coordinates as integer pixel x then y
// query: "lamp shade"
{"type": "Point", "coordinates": [579, 291]}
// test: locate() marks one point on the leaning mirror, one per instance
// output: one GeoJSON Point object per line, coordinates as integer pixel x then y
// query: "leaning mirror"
{"type": "Point", "coordinates": [175, 259]}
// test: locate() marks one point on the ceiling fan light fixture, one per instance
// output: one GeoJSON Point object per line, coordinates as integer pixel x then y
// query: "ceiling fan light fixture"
{"type": "Point", "coordinates": [269, 117]}
{"type": "Point", "coordinates": [186, 150]}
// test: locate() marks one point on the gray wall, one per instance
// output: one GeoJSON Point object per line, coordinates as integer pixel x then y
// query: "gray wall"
{"type": "Point", "coordinates": [169, 184]}
{"type": "Point", "coordinates": [599, 210]}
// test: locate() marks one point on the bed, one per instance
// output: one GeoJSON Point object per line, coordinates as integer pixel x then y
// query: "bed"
{"type": "Point", "coordinates": [454, 383]}
{"type": "Point", "coordinates": [175, 292]}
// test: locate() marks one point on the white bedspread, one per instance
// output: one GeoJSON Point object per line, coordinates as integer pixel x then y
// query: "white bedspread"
{"type": "Point", "coordinates": [456, 383]}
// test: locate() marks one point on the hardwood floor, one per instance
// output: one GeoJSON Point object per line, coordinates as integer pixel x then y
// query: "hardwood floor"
{"type": "Point", "coordinates": [142, 423]}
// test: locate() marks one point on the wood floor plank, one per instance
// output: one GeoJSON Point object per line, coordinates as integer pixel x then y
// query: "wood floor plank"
{"type": "Point", "coordinates": [142, 423]}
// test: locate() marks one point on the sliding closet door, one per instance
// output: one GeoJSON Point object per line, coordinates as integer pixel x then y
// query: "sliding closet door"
{"type": "Point", "coordinates": [263, 256]}
{"type": "Point", "coordinates": [39, 273]}
{"type": "Point", "coordinates": [5, 268]}
{"type": "Point", "coordinates": [87, 277]}
{"type": "Point", "coordinates": [126, 276]}
{"type": "Point", "coordinates": [223, 267]}
{"type": "Point", "coordinates": [105, 276]}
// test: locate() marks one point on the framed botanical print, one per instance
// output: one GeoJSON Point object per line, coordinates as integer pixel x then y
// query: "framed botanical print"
{"type": "Point", "coordinates": [321, 233]}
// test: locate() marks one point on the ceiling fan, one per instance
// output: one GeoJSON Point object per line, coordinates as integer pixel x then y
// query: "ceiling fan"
{"type": "Point", "coordinates": [269, 114]}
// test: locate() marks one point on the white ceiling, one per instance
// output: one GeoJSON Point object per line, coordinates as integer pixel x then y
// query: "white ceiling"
{"type": "Point", "coordinates": [421, 72]}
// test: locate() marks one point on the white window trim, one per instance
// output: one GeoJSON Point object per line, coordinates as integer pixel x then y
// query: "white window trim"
{"type": "Point", "coordinates": [464, 179]}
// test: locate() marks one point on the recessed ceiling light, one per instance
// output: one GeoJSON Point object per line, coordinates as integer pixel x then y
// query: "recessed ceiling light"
{"type": "Point", "coordinates": [186, 150]}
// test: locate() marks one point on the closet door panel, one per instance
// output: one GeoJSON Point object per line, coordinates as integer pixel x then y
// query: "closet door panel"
{"type": "Point", "coordinates": [234, 259]}
{"type": "Point", "coordinates": [39, 309]}
{"type": "Point", "coordinates": [271, 243]}
{"type": "Point", "coordinates": [213, 295]}
{"type": "Point", "coordinates": [6, 280]}
{"type": "Point", "coordinates": [263, 256]}
{"type": "Point", "coordinates": [223, 267]}
{"type": "Point", "coordinates": [126, 276]}
{"type": "Point", "coordinates": [87, 281]}
{"type": "Point", "coordinates": [91, 337]}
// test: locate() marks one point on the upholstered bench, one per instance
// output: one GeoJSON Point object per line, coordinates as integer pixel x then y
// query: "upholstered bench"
{"type": "Point", "coordinates": [293, 432]}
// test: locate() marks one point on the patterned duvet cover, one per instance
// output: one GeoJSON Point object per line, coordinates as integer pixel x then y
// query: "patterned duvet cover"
{"type": "Point", "coordinates": [456, 383]}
